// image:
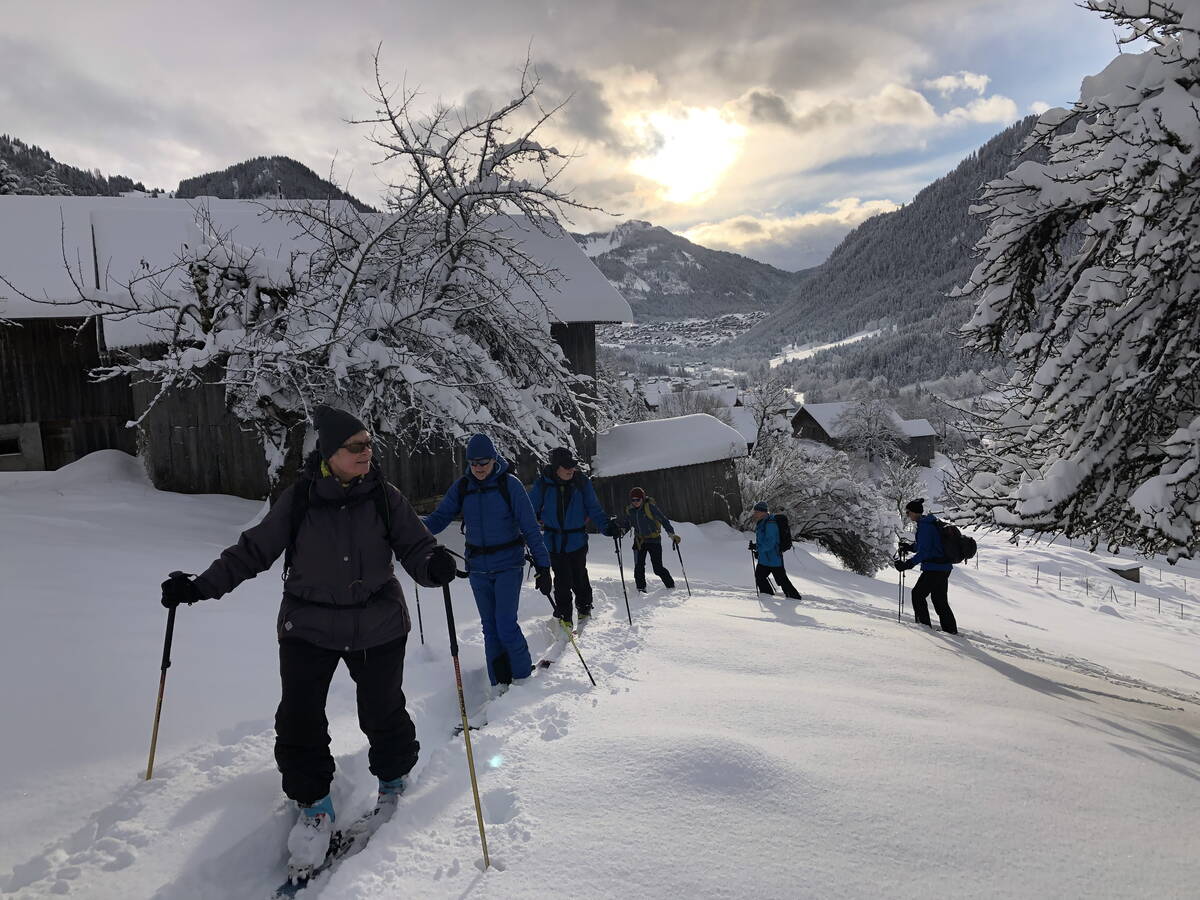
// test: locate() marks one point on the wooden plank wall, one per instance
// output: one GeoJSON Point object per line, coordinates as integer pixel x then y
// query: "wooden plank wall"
{"type": "Point", "coordinates": [706, 492]}
{"type": "Point", "coordinates": [578, 342]}
{"type": "Point", "coordinates": [193, 445]}
{"type": "Point", "coordinates": [43, 379]}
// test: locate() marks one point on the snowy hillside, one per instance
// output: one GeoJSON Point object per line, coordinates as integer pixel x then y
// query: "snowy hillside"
{"type": "Point", "coordinates": [664, 275]}
{"type": "Point", "coordinates": [735, 746]}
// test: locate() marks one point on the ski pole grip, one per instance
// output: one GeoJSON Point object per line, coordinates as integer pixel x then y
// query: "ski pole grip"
{"type": "Point", "coordinates": [166, 659]}
{"type": "Point", "coordinates": [450, 620]}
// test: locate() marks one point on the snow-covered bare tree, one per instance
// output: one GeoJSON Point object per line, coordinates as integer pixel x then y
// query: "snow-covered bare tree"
{"type": "Point", "coordinates": [898, 480]}
{"type": "Point", "coordinates": [1089, 283]}
{"type": "Point", "coordinates": [766, 399]}
{"type": "Point", "coordinates": [621, 400]}
{"type": "Point", "coordinates": [868, 428]}
{"type": "Point", "coordinates": [824, 500]}
{"type": "Point", "coordinates": [690, 403]}
{"type": "Point", "coordinates": [429, 320]}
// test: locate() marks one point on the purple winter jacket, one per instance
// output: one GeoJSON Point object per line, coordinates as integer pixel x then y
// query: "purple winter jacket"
{"type": "Point", "coordinates": [342, 592]}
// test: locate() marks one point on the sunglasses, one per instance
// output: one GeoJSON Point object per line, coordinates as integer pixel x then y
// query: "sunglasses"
{"type": "Point", "coordinates": [479, 463]}
{"type": "Point", "coordinates": [357, 447]}
{"type": "Point", "coordinates": [635, 499]}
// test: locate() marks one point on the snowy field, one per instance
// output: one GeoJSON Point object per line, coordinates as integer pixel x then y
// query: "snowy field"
{"type": "Point", "coordinates": [736, 745]}
{"type": "Point", "coordinates": [792, 353]}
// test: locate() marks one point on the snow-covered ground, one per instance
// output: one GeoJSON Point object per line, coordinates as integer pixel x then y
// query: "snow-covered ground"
{"type": "Point", "coordinates": [735, 746]}
{"type": "Point", "coordinates": [791, 353]}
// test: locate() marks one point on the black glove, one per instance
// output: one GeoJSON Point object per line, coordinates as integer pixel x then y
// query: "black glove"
{"type": "Point", "coordinates": [542, 580]}
{"type": "Point", "coordinates": [901, 565]}
{"type": "Point", "coordinates": [612, 529]}
{"type": "Point", "coordinates": [441, 567]}
{"type": "Point", "coordinates": [179, 588]}
{"type": "Point", "coordinates": [753, 547]}
{"type": "Point", "coordinates": [907, 547]}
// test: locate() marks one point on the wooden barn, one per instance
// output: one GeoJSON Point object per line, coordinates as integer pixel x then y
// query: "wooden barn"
{"type": "Point", "coordinates": [190, 443]}
{"type": "Point", "coordinates": [822, 422]}
{"type": "Point", "coordinates": [686, 464]}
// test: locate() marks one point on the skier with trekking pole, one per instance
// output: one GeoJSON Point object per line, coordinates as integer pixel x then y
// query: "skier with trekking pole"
{"type": "Point", "coordinates": [340, 528]}
{"type": "Point", "coordinates": [647, 522]}
{"type": "Point", "coordinates": [930, 554]}
{"type": "Point", "coordinates": [498, 522]}
{"type": "Point", "coordinates": [772, 538]}
{"type": "Point", "coordinates": [565, 501]}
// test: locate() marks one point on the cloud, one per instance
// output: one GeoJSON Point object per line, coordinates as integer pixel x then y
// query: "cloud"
{"type": "Point", "coordinates": [893, 104]}
{"type": "Point", "coordinates": [996, 109]}
{"type": "Point", "coordinates": [789, 242]}
{"type": "Point", "coordinates": [963, 81]}
{"type": "Point", "coordinates": [1037, 107]}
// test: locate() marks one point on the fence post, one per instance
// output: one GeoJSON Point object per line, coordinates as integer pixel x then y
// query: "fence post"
{"type": "Point", "coordinates": [1037, 578]}
{"type": "Point", "coordinates": [1006, 567]}
{"type": "Point", "coordinates": [1087, 586]}
{"type": "Point", "coordinates": [1060, 579]}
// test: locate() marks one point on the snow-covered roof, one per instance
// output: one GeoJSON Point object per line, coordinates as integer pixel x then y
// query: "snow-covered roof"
{"type": "Point", "coordinates": [742, 418]}
{"type": "Point", "coordinates": [827, 415]}
{"type": "Point", "coordinates": [665, 444]}
{"type": "Point", "coordinates": [108, 238]}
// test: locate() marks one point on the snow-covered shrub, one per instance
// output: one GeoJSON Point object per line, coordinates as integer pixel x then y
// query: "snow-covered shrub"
{"type": "Point", "coordinates": [816, 487]}
{"type": "Point", "coordinates": [1087, 283]}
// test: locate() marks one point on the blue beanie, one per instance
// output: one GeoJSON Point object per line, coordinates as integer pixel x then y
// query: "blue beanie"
{"type": "Point", "coordinates": [481, 447]}
{"type": "Point", "coordinates": [761, 506]}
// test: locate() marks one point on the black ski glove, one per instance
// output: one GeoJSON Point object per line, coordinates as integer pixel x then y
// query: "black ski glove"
{"type": "Point", "coordinates": [907, 547]}
{"type": "Point", "coordinates": [753, 547]}
{"type": "Point", "coordinates": [612, 529]}
{"type": "Point", "coordinates": [179, 588]}
{"type": "Point", "coordinates": [542, 580]}
{"type": "Point", "coordinates": [901, 565]}
{"type": "Point", "coordinates": [441, 567]}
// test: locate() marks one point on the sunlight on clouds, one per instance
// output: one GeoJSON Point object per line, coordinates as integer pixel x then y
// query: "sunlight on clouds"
{"type": "Point", "coordinates": [691, 151]}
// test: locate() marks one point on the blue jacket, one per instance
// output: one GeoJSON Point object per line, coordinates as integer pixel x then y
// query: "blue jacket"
{"type": "Point", "coordinates": [563, 508]}
{"type": "Point", "coordinates": [489, 521]}
{"type": "Point", "coordinates": [766, 538]}
{"type": "Point", "coordinates": [647, 522]}
{"type": "Point", "coordinates": [929, 551]}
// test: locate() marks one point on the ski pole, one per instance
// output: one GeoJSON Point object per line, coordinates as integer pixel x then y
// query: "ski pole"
{"type": "Point", "coordinates": [754, 572]}
{"type": "Point", "coordinates": [420, 624]}
{"type": "Point", "coordinates": [574, 644]}
{"type": "Point", "coordinates": [621, 566]}
{"type": "Point", "coordinates": [162, 684]}
{"type": "Point", "coordinates": [683, 569]}
{"type": "Point", "coordinates": [466, 726]}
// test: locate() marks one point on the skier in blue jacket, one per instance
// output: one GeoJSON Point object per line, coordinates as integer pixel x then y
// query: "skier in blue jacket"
{"type": "Point", "coordinates": [498, 521]}
{"type": "Point", "coordinates": [768, 559]}
{"type": "Point", "coordinates": [565, 500]}
{"type": "Point", "coordinates": [935, 571]}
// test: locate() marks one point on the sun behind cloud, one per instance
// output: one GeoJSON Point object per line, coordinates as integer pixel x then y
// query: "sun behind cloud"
{"type": "Point", "coordinates": [692, 150]}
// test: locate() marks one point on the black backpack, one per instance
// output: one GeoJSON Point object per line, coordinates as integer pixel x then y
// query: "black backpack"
{"type": "Point", "coordinates": [956, 547]}
{"type": "Point", "coordinates": [785, 533]}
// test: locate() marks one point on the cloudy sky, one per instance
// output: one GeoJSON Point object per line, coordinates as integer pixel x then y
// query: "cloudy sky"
{"type": "Point", "coordinates": [766, 127]}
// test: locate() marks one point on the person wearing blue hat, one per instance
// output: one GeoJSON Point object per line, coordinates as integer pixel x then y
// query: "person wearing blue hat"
{"type": "Point", "coordinates": [499, 522]}
{"type": "Point", "coordinates": [768, 547]}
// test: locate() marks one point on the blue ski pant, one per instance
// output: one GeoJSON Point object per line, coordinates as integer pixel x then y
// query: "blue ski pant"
{"type": "Point", "coordinates": [497, 596]}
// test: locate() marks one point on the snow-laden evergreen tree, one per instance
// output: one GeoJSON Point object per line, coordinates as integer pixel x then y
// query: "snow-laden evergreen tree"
{"type": "Point", "coordinates": [428, 320]}
{"type": "Point", "coordinates": [1089, 283]}
{"type": "Point", "coordinates": [49, 184]}
{"type": "Point", "coordinates": [9, 182]}
{"type": "Point", "coordinates": [823, 498]}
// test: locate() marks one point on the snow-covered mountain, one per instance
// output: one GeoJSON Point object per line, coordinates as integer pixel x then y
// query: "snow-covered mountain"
{"type": "Point", "coordinates": [662, 274]}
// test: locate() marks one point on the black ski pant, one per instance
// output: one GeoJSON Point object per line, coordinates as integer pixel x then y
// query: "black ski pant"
{"type": "Point", "coordinates": [571, 581]}
{"type": "Point", "coordinates": [764, 587]}
{"type": "Point", "coordinates": [653, 549]}
{"type": "Point", "coordinates": [302, 731]}
{"type": "Point", "coordinates": [933, 584]}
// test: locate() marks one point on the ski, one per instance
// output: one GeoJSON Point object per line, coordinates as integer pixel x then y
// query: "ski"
{"type": "Point", "coordinates": [345, 842]}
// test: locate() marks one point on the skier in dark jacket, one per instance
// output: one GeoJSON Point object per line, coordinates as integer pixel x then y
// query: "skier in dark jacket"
{"type": "Point", "coordinates": [647, 522]}
{"type": "Point", "coordinates": [498, 521]}
{"type": "Point", "coordinates": [564, 500]}
{"type": "Point", "coordinates": [768, 558]}
{"type": "Point", "coordinates": [341, 526]}
{"type": "Point", "coordinates": [935, 571]}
